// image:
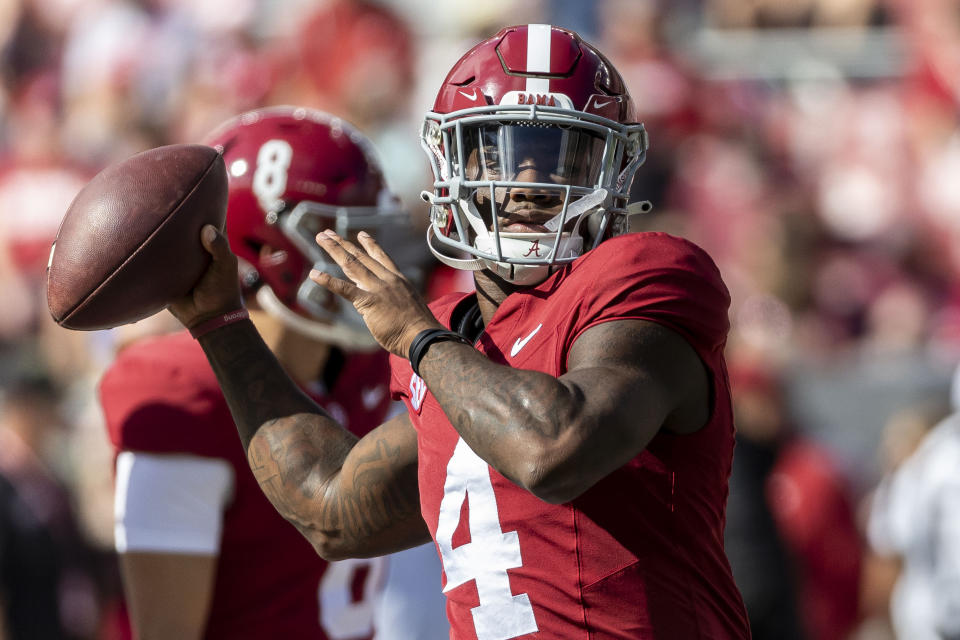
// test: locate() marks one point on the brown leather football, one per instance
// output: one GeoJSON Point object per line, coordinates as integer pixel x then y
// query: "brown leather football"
{"type": "Point", "coordinates": [130, 242]}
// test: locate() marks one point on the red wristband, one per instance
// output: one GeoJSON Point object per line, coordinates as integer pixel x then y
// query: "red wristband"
{"type": "Point", "coordinates": [217, 322]}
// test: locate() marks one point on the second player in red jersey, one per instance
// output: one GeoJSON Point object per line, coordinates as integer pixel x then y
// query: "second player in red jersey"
{"type": "Point", "coordinates": [203, 553]}
{"type": "Point", "coordinates": [164, 411]}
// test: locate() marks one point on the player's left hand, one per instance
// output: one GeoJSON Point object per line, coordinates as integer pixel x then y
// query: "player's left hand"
{"type": "Point", "coordinates": [390, 305]}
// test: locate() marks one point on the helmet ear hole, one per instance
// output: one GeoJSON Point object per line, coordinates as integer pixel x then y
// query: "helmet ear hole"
{"type": "Point", "coordinates": [643, 206]}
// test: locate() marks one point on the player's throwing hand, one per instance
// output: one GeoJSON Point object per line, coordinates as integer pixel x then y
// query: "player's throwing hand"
{"type": "Point", "coordinates": [218, 291]}
{"type": "Point", "coordinates": [390, 305]}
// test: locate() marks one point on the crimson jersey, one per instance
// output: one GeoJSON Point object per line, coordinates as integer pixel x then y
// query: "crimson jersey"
{"type": "Point", "coordinates": [640, 554]}
{"type": "Point", "coordinates": [161, 396]}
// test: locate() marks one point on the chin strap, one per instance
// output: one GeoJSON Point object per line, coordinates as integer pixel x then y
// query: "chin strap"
{"type": "Point", "coordinates": [514, 273]}
{"type": "Point", "coordinates": [523, 274]}
{"type": "Point", "coordinates": [577, 209]}
{"type": "Point", "coordinates": [472, 264]}
{"type": "Point", "coordinates": [334, 334]}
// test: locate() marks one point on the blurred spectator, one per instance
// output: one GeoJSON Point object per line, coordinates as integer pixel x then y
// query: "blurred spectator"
{"type": "Point", "coordinates": [792, 518]}
{"type": "Point", "coordinates": [37, 183]}
{"type": "Point", "coordinates": [915, 518]}
{"type": "Point", "coordinates": [50, 580]}
{"type": "Point", "coordinates": [902, 435]}
{"type": "Point", "coordinates": [813, 504]}
{"type": "Point", "coordinates": [762, 564]}
{"type": "Point", "coordinates": [357, 58]}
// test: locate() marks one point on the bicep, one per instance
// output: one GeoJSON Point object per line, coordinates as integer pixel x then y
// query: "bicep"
{"type": "Point", "coordinates": [630, 368]}
{"type": "Point", "coordinates": [168, 522]}
{"type": "Point", "coordinates": [632, 378]}
{"type": "Point", "coordinates": [168, 594]}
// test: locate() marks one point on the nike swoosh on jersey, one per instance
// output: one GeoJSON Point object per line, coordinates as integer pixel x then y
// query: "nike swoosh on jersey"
{"type": "Point", "coordinates": [522, 342]}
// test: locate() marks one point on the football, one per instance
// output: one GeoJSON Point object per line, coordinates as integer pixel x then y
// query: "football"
{"type": "Point", "coordinates": [129, 243]}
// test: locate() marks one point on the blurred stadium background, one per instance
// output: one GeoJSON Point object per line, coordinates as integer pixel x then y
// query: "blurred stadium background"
{"type": "Point", "coordinates": [811, 146]}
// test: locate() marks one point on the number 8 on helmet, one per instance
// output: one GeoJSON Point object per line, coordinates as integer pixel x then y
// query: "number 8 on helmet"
{"type": "Point", "coordinates": [294, 172]}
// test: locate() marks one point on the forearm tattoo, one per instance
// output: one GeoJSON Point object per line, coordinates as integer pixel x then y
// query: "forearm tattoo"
{"type": "Point", "coordinates": [256, 387]}
{"type": "Point", "coordinates": [311, 469]}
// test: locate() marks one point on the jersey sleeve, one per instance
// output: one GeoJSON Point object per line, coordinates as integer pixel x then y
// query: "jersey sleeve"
{"type": "Point", "coordinates": [170, 503]}
{"type": "Point", "coordinates": [159, 399]}
{"type": "Point", "coordinates": [398, 387]}
{"type": "Point", "coordinates": [659, 278]}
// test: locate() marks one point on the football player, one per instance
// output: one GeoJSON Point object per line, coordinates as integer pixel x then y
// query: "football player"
{"type": "Point", "coordinates": [203, 553]}
{"type": "Point", "coordinates": [568, 435]}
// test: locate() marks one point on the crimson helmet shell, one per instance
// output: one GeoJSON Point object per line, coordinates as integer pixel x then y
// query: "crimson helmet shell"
{"type": "Point", "coordinates": [280, 162]}
{"type": "Point", "coordinates": [503, 64]}
{"type": "Point", "coordinates": [547, 86]}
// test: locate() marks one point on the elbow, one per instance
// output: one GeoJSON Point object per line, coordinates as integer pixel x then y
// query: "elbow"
{"type": "Point", "coordinates": [553, 455]}
{"type": "Point", "coordinates": [332, 553]}
{"type": "Point", "coordinates": [555, 492]}
{"type": "Point", "coordinates": [328, 540]}
{"type": "Point", "coordinates": [551, 476]}
{"type": "Point", "coordinates": [330, 547]}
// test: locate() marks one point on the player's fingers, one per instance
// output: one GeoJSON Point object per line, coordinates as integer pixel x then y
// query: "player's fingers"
{"type": "Point", "coordinates": [214, 241]}
{"type": "Point", "coordinates": [376, 252]}
{"type": "Point", "coordinates": [356, 264]}
{"type": "Point", "coordinates": [342, 288]}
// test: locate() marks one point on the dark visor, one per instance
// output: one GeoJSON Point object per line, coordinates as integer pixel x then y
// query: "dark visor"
{"type": "Point", "coordinates": [534, 153]}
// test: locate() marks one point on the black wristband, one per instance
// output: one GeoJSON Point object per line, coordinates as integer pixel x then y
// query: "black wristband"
{"type": "Point", "coordinates": [423, 340]}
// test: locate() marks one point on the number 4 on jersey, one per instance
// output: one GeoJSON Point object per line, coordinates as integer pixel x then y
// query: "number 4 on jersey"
{"type": "Point", "coordinates": [490, 552]}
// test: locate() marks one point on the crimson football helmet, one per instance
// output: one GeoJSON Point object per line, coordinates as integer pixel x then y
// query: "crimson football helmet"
{"type": "Point", "coordinates": [533, 118]}
{"type": "Point", "coordinates": [292, 173]}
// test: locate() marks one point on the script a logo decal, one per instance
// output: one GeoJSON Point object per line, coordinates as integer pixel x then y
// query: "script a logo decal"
{"type": "Point", "coordinates": [534, 249]}
{"type": "Point", "coordinates": [522, 342]}
{"type": "Point", "coordinates": [418, 390]}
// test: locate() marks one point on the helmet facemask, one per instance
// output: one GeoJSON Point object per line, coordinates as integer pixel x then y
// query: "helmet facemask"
{"type": "Point", "coordinates": [516, 185]}
{"type": "Point", "coordinates": [322, 314]}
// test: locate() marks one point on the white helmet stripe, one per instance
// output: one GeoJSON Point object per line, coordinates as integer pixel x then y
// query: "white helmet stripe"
{"type": "Point", "coordinates": [538, 57]}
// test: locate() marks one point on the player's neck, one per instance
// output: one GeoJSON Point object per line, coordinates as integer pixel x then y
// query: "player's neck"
{"type": "Point", "coordinates": [491, 292]}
